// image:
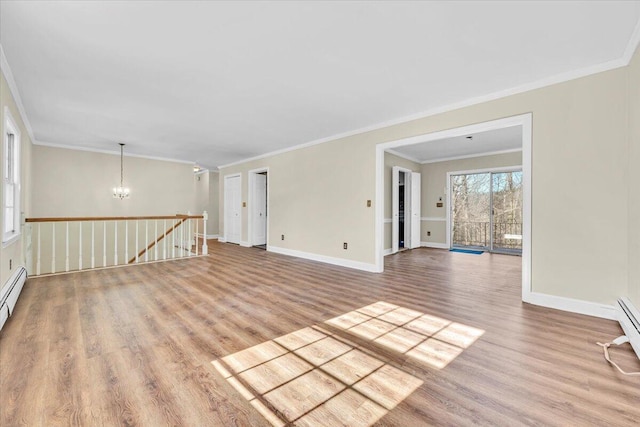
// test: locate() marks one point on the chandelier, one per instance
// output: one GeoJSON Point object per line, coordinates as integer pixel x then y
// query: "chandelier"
{"type": "Point", "coordinates": [121, 192]}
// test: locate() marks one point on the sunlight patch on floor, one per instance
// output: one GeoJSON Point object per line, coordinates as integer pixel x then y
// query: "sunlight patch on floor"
{"type": "Point", "coordinates": [313, 378]}
{"type": "Point", "coordinates": [428, 339]}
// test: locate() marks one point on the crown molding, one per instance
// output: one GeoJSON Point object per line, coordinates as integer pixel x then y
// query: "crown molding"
{"type": "Point", "coordinates": [404, 156]}
{"type": "Point", "coordinates": [471, 156]}
{"type": "Point", "coordinates": [632, 46]}
{"type": "Point", "coordinates": [115, 153]}
{"type": "Point", "coordinates": [8, 75]}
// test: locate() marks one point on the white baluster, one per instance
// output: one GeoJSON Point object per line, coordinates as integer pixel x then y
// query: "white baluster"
{"type": "Point", "coordinates": [93, 244]}
{"type": "Point", "coordinates": [53, 247]}
{"type": "Point", "coordinates": [197, 229]}
{"type": "Point", "coordinates": [126, 241]}
{"type": "Point", "coordinates": [80, 246]}
{"type": "Point", "coordinates": [155, 244]}
{"type": "Point", "coordinates": [115, 242]}
{"type": "Point", "coordinates": [137, 247]}
{"type": "Point", "coordinates": [38, 260]}
{"type": "Point", "coordinates": [66, 250]}
{"type": "Point", "coordinates": [104, 244]}
{"type": "Point", "coordinates": [164, 239]}
{"type": "Point", "coordinates": [146, 240]}
{"type": "Point", "coordinates": [182, 239]}
{"type": "Point", "coordinates": [173, 238]}
{"type": "Point", "coordinates": [189, 235]}
{"type": "Point", "coordinates": [28, 230]}
{"type": "Point", "coordinates": [205, 247]}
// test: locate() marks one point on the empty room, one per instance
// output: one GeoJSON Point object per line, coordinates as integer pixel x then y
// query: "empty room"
{"type": "Point", "coordinates": [357, 213]}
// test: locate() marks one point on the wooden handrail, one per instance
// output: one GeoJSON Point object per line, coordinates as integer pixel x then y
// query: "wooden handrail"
{"type": "Point", "coordinates": [152, 244]}
{"type": "Point", "coordinates": [112, 218]}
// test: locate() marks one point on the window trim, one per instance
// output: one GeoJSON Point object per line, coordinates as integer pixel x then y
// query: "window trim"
{"type": "Point", "coordinates": [11, 127]}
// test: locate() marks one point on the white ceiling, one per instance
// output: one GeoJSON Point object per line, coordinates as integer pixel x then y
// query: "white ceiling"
{"type": "Point", "coordinates": [493, 141]}
{"type": "Point", "coordinates": [217, 82]}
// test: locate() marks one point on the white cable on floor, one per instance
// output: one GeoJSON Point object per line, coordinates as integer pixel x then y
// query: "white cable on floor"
{"type": "Point", "coordinates": [605, 348]}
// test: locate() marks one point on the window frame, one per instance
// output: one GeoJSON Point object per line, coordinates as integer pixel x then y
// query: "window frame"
{"type": "Point", "coordinates": [11, 128]}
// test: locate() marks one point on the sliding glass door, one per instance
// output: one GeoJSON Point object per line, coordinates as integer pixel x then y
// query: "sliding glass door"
{"type": "Point", "coordinates": [486, 211]}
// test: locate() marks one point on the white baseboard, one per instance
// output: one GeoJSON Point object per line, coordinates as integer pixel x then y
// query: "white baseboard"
{"type": "Point", "coordinates": [209, 236]}
{"type": "Point", "coordinates": [241, 243]}
{"type": "Point", "coordinates": [572, 305]}
{"type": "Point", "coordinates": [433, 218]}
{"type": "Point", "coordinates": [326, 259]}
{"type": "Point", "coordinates": [387, 252]}
{"type": "Point", "coordinates": [434, 245]}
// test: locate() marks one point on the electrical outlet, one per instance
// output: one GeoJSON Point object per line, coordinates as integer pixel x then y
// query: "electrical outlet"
{"type": "Point", "coordinates": [282, 237]}
{"type": "Point", "coordinates": [344, 245]}
{"type": "Point", "coordinates": [428, 233]}
{"type": "Point", "coordinates": [368, 203]}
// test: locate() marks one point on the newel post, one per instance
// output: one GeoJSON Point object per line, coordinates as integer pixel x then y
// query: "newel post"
{"type": "Point", "coordinates": [205, 248]}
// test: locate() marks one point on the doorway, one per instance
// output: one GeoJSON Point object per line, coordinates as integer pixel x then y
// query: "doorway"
{"type": "Point", "coordinates": [232, 208]}
{"type": "Point", "coordinates": [258, 208]}
{"type": "Point", "coordinates": [522, 122]}
{"type": "Point", "coordinates": [486, 210]}
{"type": "Point", "coordinates": [405, 199]}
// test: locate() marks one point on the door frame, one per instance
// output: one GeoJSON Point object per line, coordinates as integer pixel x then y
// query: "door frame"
{"type": "Point", "coordinates": [395, 200]}
{"type": "Point", "coordinates": [522, 120]}
{"type": "Point", "coordinates": [416, 209]}
{"type": "Point", "coordinates": [250, 200]}
{"type": "Point", "coordinates": [449, 196]}
{"type": "Point", "coordinates": [225, 207]}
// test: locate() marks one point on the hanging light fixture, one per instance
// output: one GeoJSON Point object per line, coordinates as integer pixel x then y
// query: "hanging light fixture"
{"type": "Point", "coordinates": [121, 192]}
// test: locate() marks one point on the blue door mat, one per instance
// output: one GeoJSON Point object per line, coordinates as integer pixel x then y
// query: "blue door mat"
{"type": "Point", "coordinates": [466, 251]}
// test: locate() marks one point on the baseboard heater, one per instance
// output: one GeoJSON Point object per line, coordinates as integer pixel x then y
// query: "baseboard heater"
{"type": "Point", "coordinates": [629, 318]}
{"type": "Point", "coordinates": [10, 292]}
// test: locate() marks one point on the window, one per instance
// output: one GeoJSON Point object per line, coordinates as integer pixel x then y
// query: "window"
{"type": "Point", "coordinates": [11, 179]}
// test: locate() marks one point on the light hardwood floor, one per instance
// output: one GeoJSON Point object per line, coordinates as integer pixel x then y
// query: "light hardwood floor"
{"type": "Point", "coordinates": [251, 338]}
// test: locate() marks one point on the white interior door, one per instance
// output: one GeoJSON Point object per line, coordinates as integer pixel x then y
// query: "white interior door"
{"type": "Point", "coordinates": [414, 202]}
{"type": "Point", "coordinates": [232, 209]}
{"type": "Point", "coordinates": [395, 211]}
{"type": "Point", "coordinates": [260, 210]}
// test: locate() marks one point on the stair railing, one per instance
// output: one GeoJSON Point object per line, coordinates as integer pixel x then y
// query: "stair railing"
{"type": "Point", "coordinates": [65, 244]}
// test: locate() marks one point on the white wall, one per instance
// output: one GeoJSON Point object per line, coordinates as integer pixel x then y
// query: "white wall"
{"type": "Point", "coordinates": [634, 179]}
{"type": "Point", "coordinates": [207, 199]}
{"type": "Point", "coordinates": [214, 201]}
{"type": "Point", "coordinates": [79, 183]}
{"type": "Point", "coordinates": [317, 199]}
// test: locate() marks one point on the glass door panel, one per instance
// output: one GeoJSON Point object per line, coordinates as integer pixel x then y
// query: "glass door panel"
{"type": "Point", "coordinates": [507, 212]}
{"type": "Point", "coordinates": [471, 207]}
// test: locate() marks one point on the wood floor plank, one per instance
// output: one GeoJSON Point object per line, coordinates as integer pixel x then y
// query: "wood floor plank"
{"type": "Point", "coordinates": [135, 346]}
